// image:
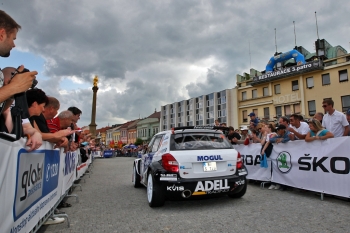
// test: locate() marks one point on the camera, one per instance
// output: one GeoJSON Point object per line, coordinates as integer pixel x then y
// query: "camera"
{"type": "Point", "coordinates": [35, 82]}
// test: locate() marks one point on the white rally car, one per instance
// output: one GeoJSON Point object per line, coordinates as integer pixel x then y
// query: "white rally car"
{"type": "Point", "coordinates": [189, 162]}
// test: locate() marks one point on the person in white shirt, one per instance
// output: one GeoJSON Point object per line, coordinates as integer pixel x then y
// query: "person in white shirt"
{"type": "Point", "coordinates": [334, 120]}
{"type": "Point", "coordinates": [297, 127]}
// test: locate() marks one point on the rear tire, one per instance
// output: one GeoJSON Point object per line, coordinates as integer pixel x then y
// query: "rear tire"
{"type": "Point", "coordinates": [155, 194]}
{"type": "Point", "coordinates": [136, 178]}
{"type": "Point", "coordinates": [240, 193]}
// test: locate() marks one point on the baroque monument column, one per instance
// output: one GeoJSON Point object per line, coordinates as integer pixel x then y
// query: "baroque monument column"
{"type": "Point", "coordinates": [92, 126]}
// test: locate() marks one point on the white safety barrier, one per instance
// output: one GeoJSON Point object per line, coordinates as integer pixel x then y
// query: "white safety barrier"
{"type": "Point", "coordinates": [32, 183]}
{"type": "Point", "coordinates": [320, 166]}
{"type": "Point", "coordinates": [251, 159]}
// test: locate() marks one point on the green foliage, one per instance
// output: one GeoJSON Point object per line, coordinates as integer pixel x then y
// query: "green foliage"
{"type": "Point", "coordinates": [138, 141]}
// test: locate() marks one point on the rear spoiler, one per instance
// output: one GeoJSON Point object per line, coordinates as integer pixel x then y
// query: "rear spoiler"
{"type": "Point", "coordinates": [183, 128]}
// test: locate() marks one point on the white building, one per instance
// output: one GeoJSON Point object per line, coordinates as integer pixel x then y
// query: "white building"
{"type": "Point", "coordinates": [202, 110]}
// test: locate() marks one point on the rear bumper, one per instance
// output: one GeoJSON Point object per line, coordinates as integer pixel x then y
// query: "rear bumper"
{"type": "Point", "coordinates": [200, 187]}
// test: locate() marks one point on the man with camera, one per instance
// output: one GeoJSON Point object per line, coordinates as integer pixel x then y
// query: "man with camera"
{"type": "Point", "coordinates": [34, 137]}
{"type": "Point", "coordinates": [21, 81]}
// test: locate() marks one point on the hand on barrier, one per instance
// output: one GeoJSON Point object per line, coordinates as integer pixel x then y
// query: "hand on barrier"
{"type": "Point", "coordinates": [34, 141]}
{"type": "Point", "coordinates": [65, 132]}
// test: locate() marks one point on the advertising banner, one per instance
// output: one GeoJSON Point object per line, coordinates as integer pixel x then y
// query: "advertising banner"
{"type": "Point", "coordinates": [69, 161]}
{"type": "Point", "coordinates": [31, 185]}
{"type": "Point", "coordinates": [251, 158]}
{"type": "Point", "coordinates": [320, 166]}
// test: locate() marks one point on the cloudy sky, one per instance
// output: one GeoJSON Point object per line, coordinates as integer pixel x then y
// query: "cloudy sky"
{"type": "Point", "coordinates": [149, 53]}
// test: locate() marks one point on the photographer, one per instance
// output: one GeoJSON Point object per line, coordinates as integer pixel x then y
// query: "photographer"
{"type": "Point", "coordinates": [22, 81]}
{"type": "Point", "coordinates": [34, 137]}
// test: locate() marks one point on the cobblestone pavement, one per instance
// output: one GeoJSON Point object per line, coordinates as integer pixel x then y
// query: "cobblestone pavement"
{"type": "Point", "coordinates": [109, 203]}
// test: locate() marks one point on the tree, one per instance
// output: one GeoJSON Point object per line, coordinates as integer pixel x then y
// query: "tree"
{"type": "Point", "coordinates": [138, 141]}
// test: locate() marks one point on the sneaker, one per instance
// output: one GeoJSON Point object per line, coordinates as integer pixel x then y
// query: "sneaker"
{"type": "Point", "coordinates": [55, 220]}
{"type": "Point", "coordinates": [277, 186]}
{"type": "Point", "coordinates": [272, 186]}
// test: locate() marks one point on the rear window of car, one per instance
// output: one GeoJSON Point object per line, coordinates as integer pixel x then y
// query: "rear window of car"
{"type": "Point", "coordinates": [199, 141]}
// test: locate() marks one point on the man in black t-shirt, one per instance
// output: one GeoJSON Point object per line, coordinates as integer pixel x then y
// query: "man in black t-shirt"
{"type": "Point", "coordinates": [232, 134]}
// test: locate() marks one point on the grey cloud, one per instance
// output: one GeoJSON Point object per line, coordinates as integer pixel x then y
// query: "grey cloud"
{"type": "Point", "coordinates": [142, 44]}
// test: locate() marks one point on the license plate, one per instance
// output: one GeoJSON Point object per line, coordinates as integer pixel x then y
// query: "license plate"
{"type": "Point", "coordinates": [209, 166]}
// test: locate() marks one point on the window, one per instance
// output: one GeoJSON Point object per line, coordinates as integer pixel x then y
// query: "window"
{"type": "Point", "coordinates": [255, 93]}
{"type": "Point", "coordinates": [277, 89]}
{"type": "Point", "coordinates": [245, 116]}
{"type": "Point", "coordinates": [223, 112]}
{"type": "Point", "coordinates": [345, 102]}
{"type": "Point", "coordinates": [223, 99]}
{"type": "Point", "coordinates": [155, 145]}
{"type": "Point", "coordinates": [210, 114]}
{"type": "Point", "coordinates": [310, 82]}
{"type": "Point", "coordinates": [287, 110]}
{"type": "Point", "coordinates": [296, 108]}
{"type": "Point", "coordinates": [189, 118]}
{"type": "Point", "coordinates": [256, 112]}
{"type": "Point", "coordinates": [343, 75]}
{"type": "Point", "coordinates": [267, 113]}
{"type": "Point", "coordinates": [265, 91]}
{"type": "Point", "coordinates": [326, 79]}
{"type": "Point", "coordinates": [278, 111]}
{"type": "Point", "coordinates": [244, 95]}
{"type": "Point", "coordinates": [312, 107]}
{"type": "Point", "coordinates": [210, 102]}
{"type": "Point", "coordinates": [295, 85]}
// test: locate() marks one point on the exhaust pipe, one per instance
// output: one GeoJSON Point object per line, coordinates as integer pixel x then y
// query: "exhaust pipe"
{"type": "Point", "coordinates": [186, 194]}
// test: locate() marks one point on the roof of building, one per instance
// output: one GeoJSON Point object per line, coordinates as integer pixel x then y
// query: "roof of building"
{"type": "Point", "coordinates": [102, 130]}
{"type": "Point", "coordinates": [154, 115]}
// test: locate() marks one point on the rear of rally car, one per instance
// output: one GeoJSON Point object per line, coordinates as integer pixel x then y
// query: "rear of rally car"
{"type": "Point", "coordinates": [200, 163]}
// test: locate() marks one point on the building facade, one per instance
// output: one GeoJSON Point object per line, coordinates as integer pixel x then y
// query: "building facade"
{"type": "Point", "coordinates": [202, 110]}
{"type": "Point", "coordinates": [132, 129]}
{"type": "Point", "coordinates": [296, 88]}
{"type": "Point", "coordinates": [148, 127]}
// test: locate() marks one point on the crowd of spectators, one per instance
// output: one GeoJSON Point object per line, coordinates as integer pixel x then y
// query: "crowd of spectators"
{"type": "Point", "coordinates": [294, 127]}
{"type": "Point", "coordinates": [38, 115]}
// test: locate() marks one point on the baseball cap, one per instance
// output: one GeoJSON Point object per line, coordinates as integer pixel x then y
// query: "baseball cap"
{"type": "Point", "coordinates": [244, 127]}
{"type": "Point", "coordinates": [251, 114]}
{"type": "Point", "coordinates": [281, 127]}
{"type": "Point", "coordinates": [348, 112]}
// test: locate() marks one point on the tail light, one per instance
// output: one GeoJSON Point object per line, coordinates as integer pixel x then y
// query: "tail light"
{"type": "Point", "coordinates": [239, 164]}
{"type": "Point", "coordinates": [169, 163]}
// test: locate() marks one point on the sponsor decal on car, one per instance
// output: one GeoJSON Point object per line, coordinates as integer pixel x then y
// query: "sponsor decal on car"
{"type": "Point", "coordinates": [211, 187]}
{"type": "Point", "coordinates": [164, 143]}
{"type": "Point", "coordinates": [175, 188]}
{"type": "Point", "coordinates": [168, 177]}
{"type": "Point", "coordinates": [163, 150]}
{"type": "Point", "coordinates": [240, 182]}
{"type": "Point", "coordinates": [209, 157]}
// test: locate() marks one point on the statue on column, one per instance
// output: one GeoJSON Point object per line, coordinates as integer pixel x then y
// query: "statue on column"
{"type": "Point", "coordinates": [95, 81]}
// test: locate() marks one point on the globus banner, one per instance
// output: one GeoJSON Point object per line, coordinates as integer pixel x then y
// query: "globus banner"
{"type": "Point", "coordinates": [251, 159]}
{"type": "Point", "coordinates": [29, 184]}
{"type": "Point", "coordinates": [320, 166]}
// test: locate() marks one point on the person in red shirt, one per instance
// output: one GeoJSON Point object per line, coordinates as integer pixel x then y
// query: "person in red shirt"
{"type": "Point", "coordinates": [62, 121]}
